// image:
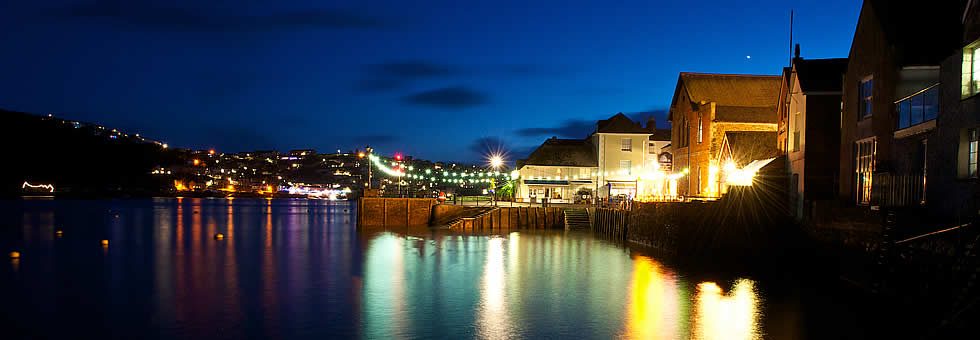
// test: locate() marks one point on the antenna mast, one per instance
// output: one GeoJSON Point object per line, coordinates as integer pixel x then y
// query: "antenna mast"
{"type": "Point", "coordinates": [790, 38]}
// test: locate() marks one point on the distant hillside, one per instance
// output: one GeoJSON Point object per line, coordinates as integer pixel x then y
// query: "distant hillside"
{"type": "Point", "coordinates": [76, 157]}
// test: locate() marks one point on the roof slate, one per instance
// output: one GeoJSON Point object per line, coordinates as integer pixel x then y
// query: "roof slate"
{"type": "Point", "coordinates": [821, 74]}
{"type": "Point", "coordinates": [747, 146]}
{"type": "Point", "coordinates": [661, 135]}
{"type": "Point", "coordinates": [732, 90]}
{"type": "Point", "coordinates": [563, 152]}
{"type": "Point", "coordinates": [619, 123]}
{"type": "Point", "coordinates": [741, 114]}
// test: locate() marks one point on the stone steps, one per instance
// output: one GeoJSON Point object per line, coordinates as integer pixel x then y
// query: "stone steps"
{"type": "Point", "coordinates": [577, 219]}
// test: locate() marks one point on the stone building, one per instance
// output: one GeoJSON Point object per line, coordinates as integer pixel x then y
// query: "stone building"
{"type": "Point", "coordinates": [952, 178]}
{"type": "Point", "coordinates": [704, 108]}
{"type": "Point", "coordinates": [891, 152]}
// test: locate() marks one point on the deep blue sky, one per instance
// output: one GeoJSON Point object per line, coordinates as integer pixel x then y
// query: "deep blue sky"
{"type": "Point", "coordinates": [434, 79]}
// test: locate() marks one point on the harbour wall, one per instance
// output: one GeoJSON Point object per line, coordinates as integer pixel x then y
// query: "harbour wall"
{"type": "Point", "coordinates": [391, 212]}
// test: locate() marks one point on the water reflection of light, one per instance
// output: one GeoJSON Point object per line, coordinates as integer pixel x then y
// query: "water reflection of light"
{"type": "Point", "coordinates": [653, 303]}
{"type": "Point", "coordinates": [733, 316]}
{"type": "Point", "coordinates": [492, 320]}
{"type": "Point", "coordinates": [384, 289]}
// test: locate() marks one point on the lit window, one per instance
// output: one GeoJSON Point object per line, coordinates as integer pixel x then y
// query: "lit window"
{"type": "Point", "coordinates": [865, 91]}
{"type": "Point", "coordinates": [970, 71]}
{"type": "Point", "coordinates": [627, 144]}
{"type": "Point", "coordinates": [699, 128]}
{"type": "Point", "coordinates": [796, 132]}
{"type": "Point", "coordinates": [972, 158]}
{"type": "Point", "coordinates": [625, 166]}
{"type": "Point", "coordinates": [864, 153]}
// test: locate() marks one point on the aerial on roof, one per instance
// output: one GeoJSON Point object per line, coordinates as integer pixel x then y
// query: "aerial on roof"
{"type": "Point", "coordinates": [821, 74]}
{"type": "Point", "coordinates": [619, 123]}
{"type": "Point", "coordinates": [563, 152]}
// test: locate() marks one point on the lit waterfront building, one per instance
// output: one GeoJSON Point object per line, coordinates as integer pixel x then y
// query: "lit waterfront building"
{"type": "Point", "coordinates": [704, 108]}
{"type": "Point", "coordinates": [621, 159]}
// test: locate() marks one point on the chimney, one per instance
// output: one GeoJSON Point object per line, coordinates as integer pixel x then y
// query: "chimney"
{"type": "Point", "coordinates": [797, 58]}
{"type": "Point", "coordinates": [652, 123]}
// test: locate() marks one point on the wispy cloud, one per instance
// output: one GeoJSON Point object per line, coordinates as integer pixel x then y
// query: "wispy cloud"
{"type": "Point", "coordinates": [579, 128]}
{"type": "Point", "coordinates": [450, 98]}
{"type": "Point", "coordinates": [394, 75]}
{"type": "Point", "coordinates": [141, 14]}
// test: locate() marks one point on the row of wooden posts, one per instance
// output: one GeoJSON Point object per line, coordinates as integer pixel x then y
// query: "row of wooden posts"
{"type": "Point", "coordinates": [508, 218]}
{"type": "Point", "coordinates": [613, 223]}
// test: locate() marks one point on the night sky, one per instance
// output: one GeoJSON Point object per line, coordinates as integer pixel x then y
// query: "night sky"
{"type": "Point", "coordinates": [440, 80]}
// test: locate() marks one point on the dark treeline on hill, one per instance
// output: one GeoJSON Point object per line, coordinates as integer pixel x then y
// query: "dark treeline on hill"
{"type": "Point", "coordinates": [77, 158]}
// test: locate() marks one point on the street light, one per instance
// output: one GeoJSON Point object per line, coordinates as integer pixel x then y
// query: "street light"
{"type": "Point", "coordinates": [496, 161]}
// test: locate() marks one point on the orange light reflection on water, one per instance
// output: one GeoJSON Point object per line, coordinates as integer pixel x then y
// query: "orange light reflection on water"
{"type": "Point", "coordinates": [732, 316]}
{"type": "Point", "coordinates": [653, 303]}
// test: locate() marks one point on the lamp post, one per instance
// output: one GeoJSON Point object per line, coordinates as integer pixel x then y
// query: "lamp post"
{"type": "Point", "coordinates": [495, 162]}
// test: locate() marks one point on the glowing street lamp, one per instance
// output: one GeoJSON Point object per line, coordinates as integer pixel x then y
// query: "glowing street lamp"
{"type": "Point", "coordinates": [496, 161]}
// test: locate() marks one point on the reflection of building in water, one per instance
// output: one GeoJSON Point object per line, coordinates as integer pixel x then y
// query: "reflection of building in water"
{"type": "Point", "coordinates": [653, 304]}
{"type": "Point", "coordinates": [732, 316]}
{"type": "Point", "coordinates": [384, 289]}
{"type": "Point", "coordinates": [492, 320]}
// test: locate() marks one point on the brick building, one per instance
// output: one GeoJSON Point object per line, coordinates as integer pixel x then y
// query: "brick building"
{"type": "Point", "coordinates": [890, 147]}
{"type": "Point", "coordinates": [704, 108]}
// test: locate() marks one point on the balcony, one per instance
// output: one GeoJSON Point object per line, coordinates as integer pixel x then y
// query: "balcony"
{"type": "Point", "coordinates": [890, 190]}
{"type": "Point", "coordinates": [917, 112]}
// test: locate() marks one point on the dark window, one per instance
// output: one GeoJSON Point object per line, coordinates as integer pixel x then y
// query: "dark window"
{"type": "Point", "coordinates": [865, 94]}
{"type": "Point", "coordinates": [931, 104]}
{"type": "Point", "coordinates": [915, 115]}
{"type": "Point", "coordinates": [919, 108]}
{"type": "Point", "coordinates": [903, 114]}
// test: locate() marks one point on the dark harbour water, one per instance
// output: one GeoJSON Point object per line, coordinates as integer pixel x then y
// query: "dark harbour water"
{"type": "Point", "coordinates": [300, 269]}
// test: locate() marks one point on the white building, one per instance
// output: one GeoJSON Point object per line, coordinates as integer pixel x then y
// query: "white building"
{"type": "Point", "coordinates": [620, 159]}
{"type": "Point", "coordinates": [559, 169]}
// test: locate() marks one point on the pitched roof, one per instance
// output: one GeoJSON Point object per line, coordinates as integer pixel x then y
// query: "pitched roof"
{"type": "Point", "coordinates": [921, 35]}
{"type": "Point", "coordinates": [747, 146]}
{"type": "Point", "coordinates": [732, 89]}
{"type": "Point", "coordinates": [563, 152]}
{"type": "Point", "coordinates": [742, 114]}
{"type": "Point", "coordinates": [619, 123]}
{"type": "Point", "coordinates": [821, 74]}
{"type": "Point", "coordinates": [660, 135]}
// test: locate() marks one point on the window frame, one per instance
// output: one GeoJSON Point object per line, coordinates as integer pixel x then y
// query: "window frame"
{"type": "Point", "coordinates": [865, 156]}
{"type": "Point", "coordinates": [973, 146]}
{"type": "Point", "coordinates": [969, 72]}
{"type": "Point", "coordinates": [628, 166]}
{"type": "Point", "coordinates": [700, 132]}
{"type": "Point", "coordinates": [626, 144]}
{"type": "Point", "coordinates": [866, 99]}
{"type": "Point", "coordinates": [922, 96]}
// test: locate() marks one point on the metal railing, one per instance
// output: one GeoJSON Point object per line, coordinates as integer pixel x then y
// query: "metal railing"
{"type": "Point", "coordinates": [890, 190]}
